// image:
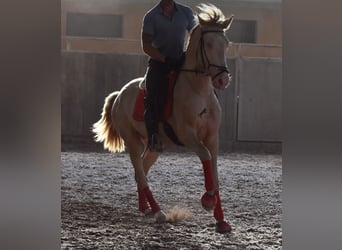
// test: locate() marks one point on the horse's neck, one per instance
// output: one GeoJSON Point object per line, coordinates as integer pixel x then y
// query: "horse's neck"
{"type": "Point", "coordinates": [199, 82]}
{"type": "Point", "coordinates": [193, 83]}
{"type": "Point", "coordinates": [192, 53]}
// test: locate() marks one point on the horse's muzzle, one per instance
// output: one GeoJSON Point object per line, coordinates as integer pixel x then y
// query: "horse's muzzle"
{"type": "Point", "coordinates": [222, 81]}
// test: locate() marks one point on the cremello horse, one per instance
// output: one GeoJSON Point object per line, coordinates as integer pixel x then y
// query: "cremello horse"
{"type": "Point", "coordinates": [195, 118]}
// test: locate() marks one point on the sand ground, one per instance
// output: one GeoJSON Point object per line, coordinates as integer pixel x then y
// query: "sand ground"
{"type": "Point", "coordinates": [99, 202]}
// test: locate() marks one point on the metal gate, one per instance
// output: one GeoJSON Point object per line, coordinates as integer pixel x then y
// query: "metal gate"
{"type": "Point", "coordinates": [259, 99]}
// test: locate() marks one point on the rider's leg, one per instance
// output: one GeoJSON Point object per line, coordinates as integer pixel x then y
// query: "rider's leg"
{"type": "Point", "coordinates": [156, 91]}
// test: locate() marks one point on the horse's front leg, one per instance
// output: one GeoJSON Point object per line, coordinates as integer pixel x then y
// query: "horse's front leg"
{"type": "Point", "coordinates": [212, 144]}
{"type": "Point", "coordinates": [190, 140]}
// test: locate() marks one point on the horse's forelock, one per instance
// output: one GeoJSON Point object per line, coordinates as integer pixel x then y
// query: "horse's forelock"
{"type": "Point", "coordinates": [210, 15]}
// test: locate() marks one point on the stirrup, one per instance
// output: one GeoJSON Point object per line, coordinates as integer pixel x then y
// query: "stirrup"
{"type": "Point", "coordinates": [156, 144]}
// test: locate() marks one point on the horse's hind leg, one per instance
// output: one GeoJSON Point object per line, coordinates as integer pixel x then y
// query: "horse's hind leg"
{"type": "Point", "coordinates": [149, 159]}
{"type": "Point", "coordinates": [144, 192]}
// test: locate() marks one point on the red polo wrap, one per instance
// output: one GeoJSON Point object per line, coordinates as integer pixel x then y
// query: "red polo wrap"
{"type": "Point", "coordinates": [208, 176]}
{"type": "Point", "coordinates": [142, 200]}
{"type": "Point", "coordinates": [154, 206]}
{"type": "Point", "coordinates": [218, 213]}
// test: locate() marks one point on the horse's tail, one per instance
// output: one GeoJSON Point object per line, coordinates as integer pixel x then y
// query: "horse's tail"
{"type": "Point", "coordinates": [104, 128]}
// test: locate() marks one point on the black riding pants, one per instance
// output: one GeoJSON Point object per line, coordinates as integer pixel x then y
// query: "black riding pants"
{"type": "Point", "coordinates": [156, 88]}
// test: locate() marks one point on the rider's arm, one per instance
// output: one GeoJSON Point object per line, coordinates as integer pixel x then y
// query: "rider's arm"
{"type": "Point", "coordinates": [149, 49]}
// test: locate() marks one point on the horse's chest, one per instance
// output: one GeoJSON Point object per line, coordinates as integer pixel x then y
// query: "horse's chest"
{"type": "Point", "coordinates": [207, 123]}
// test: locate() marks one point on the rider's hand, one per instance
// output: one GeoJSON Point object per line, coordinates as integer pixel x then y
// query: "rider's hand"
{"type": "Point", "coordinates": [174, 62]}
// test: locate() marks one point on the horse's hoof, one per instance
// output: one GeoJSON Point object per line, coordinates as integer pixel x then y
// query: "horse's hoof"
{"type": "Point", "coordinates": [160, 217]}
{"type": "Point", "coordinates": [147, 211]}
{"type": "Point", "coordinates": [223, 227]}
{"type": "Point", "coordinates": [208, 201]}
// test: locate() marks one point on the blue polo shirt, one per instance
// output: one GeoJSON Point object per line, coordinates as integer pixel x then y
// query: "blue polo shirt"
{"type": "Point", "coordinates": [169, 33]}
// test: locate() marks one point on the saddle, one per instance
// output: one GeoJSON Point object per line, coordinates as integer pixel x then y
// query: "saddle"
{"type": "Point", "coordinates": [139, 108]}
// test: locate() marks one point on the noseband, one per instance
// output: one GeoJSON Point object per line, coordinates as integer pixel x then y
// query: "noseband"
{"type": "Point", "coordinates": [205, 59]}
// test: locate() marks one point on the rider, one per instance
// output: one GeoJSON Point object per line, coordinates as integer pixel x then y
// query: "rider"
{"type": "Point", "coordinates": [164, 31]}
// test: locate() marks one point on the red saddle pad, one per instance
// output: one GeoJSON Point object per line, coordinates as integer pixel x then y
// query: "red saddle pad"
{"type": "Point", "coordinates": [138, 113]}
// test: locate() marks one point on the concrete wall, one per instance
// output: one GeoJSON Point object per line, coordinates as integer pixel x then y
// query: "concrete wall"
{"type": "Point", "coordinates": [267, 15]}
{"type": "Point", "coordinates": [87, 78]}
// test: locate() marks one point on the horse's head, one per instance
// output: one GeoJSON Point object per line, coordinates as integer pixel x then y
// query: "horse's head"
{"type": "Point", "coordinates": [214, 44]}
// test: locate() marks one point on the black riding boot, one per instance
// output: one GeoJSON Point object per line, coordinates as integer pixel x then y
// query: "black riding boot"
{"type": "Point", "coordinates": [151, 123]}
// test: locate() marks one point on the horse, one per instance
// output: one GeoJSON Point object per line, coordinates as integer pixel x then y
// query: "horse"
{"type": "Point", "coordinates": [195, 117]}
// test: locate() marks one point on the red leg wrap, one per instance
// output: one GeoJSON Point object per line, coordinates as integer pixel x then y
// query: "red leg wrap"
{"type": "Point", "coordinates": [143, 206]}
{"type": "Point", "coordinates": [208, 201]}
{"type": "Point", "coordinates": [154, 206]}
{"type": "Point", "coordinates": [221, 225]}
{"type": "Point", "coordinates": [208, 176]}
{"type": "Point", "coordinates": [218, 213]}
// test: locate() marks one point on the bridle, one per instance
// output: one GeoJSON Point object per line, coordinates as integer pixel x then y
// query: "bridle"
{"type": "Point", "coordinates": [205, 59]}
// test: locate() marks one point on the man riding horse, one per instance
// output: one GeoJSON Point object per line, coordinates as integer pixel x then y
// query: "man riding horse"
{"type": "Point", "coordinates": [164, 32]}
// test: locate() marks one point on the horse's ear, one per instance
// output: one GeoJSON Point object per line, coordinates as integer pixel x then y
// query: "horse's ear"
{"type": "Point", "coordinates": [226, 24]}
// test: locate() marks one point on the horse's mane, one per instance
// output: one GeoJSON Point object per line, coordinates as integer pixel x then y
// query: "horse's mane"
{"type": "Point", "coordinates": [210, 15]}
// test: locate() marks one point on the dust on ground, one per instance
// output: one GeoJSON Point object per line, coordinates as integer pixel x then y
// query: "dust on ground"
{"type": "Point", "coordinates": [100, 208]}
